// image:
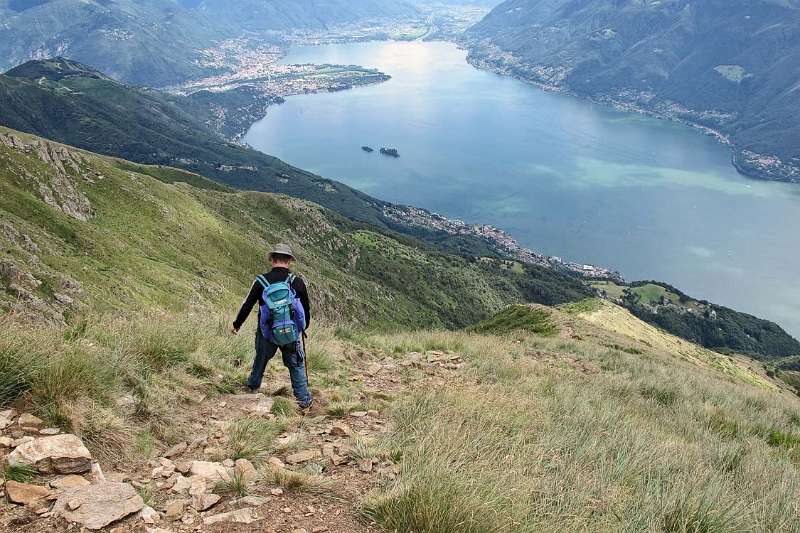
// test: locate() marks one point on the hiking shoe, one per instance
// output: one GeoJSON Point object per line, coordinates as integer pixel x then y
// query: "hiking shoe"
{"type": "Point", "coordinates": [304, 411]}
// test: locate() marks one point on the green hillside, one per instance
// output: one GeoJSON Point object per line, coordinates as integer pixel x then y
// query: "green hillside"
{"type": "Point", "coordinates": [698, 321]}
{"type": "Point", "coordinates": [74, 104]}
{"type": "Point", "coordinates": [84, 233]}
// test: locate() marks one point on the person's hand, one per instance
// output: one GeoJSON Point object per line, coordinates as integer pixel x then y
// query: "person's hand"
{"type": "Point", "coordinates": [234, 331]}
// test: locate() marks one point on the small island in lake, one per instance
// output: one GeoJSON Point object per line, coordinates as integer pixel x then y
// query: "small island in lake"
{"type": "Point", "coordinates": [367, 149]}
{"type": "Point", "coordinates": [392, 152]}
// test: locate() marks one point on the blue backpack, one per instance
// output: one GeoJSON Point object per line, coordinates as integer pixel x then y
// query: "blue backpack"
{"type": "Point", "coordinates": [283, 318]}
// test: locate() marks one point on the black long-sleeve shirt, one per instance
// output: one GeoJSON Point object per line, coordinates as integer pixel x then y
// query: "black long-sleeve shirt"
{"type": "Point", "coordinates": [256, 291]}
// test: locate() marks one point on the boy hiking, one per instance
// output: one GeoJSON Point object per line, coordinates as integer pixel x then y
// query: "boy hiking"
{"type": "Point", "coordinates": [284, 314]}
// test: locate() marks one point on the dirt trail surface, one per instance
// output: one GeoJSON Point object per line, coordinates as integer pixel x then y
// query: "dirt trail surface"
{"type": "Point", "coordinates": [311, 477]}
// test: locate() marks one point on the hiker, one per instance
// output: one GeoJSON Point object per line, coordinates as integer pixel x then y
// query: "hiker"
{"type": "Point", "coordinates": [284, 314]}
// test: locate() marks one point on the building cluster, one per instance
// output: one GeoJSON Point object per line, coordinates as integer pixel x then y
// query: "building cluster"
{"type": "Point", "coordinates": [498, 240]}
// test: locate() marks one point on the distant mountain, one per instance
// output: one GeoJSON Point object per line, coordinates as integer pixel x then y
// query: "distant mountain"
{"type": "Point", "coordinates": [730, 65]}
{"type": "Point", "coordinates": [145, 42]}
{"type": "Point", "coordinates": [282, 15]}
{"type": "Point", "coordinates": [160, 42]}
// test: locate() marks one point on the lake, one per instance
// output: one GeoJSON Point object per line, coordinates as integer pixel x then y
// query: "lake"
{"type": "Point", "coordinates": [650, 198]}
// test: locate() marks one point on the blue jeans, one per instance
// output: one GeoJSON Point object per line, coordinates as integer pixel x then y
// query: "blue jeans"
{"type": "Point", "coordinates": [293, 358]}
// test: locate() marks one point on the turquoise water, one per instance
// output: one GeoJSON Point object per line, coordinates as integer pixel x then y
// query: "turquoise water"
{"type": "Point", "coordinates": [652, 199]}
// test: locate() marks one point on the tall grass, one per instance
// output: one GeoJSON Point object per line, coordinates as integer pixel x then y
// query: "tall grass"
{"type": "Point", "coordinates": [75, 376]}
{"type": "Point", "coordinates": [251, 438]}
{"type": "Point", "coordinates": [531, 443]}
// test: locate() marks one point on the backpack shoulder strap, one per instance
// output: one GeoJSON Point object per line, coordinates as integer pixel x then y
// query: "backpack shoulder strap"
{"type": "Point", "coordinates": [263, 281]}
{"type": "Point", "coordinates": [290, 279]}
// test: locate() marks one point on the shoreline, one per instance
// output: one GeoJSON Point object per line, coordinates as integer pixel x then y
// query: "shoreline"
{"type": "Point", "coordinates": [743, 161]}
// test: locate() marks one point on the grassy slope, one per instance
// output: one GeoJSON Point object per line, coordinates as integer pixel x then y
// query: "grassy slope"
{"type": "Point", "coordinates": [606, 423]}
{"type": "Point", "coordinates": [151, 243]}
{"type": "Point", "coordinates": [593, 430]}
{"type": "Point", "coordinates": [88, 111]}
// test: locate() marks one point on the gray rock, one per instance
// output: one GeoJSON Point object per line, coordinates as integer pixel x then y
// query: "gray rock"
{"type": "Point", "coordinates": [7, 418]}
{"type": "Point", "coordinates": [202, 502]}
{"type": "Point", "coordinates": [303, 456]}
{"type": "Point", "coordinates": [181, 485]}
{"type": "Point", "coordinates": [60, 454]}
{"type": "Point", "coordinates": [245, 470]}
{"type": "Point", "coordinates": [252, 501]}
{"type": "Point", "coordinates": [69, 482]}
{"type": "Point", "coordinates": [176, 450]}
{"type": "Point", "coordinates": [96, 506]}
{"type": "Point", "coordinates": [29, 421]}
{"type": "Point", "coordinates": [149, 515]}
{"type": "Point", "coordinates": [174, 509]}
{"type": "Point", "coordinates": [211, 471]}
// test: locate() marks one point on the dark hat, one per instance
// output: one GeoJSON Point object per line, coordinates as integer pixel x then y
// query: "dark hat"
{"type": "Point", "coordinates": [282, 249]}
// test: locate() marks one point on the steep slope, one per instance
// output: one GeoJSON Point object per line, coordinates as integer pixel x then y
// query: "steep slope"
{"type": "Point", "coordinates": [83, 233]}
{"type": "Point", "coordinates": [72, 103]}
{"type": "Point", "coordinates": [730, 66]}
{"type": "Point", "coordinates": [150, 42]}
{"type": "Point", "coordinates": [159, 42]}
{"type": "Point", "coordinates": [282, 15]}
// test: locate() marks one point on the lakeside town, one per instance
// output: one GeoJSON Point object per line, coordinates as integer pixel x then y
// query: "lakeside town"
{"type": "Point", "coordinates": [498, 240]}
{"type": "Point", "coordinates": [244, 63]}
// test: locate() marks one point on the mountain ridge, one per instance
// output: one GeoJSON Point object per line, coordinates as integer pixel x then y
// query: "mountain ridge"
{"type": "Point", "coordinates": [161, 42]}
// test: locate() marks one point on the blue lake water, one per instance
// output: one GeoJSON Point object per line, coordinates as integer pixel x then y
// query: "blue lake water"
{"type": "Point", "coordinates": [653, 199]}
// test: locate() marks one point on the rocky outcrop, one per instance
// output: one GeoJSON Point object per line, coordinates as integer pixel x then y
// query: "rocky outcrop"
{"type": "Point", "coordinates": [57, 454]}
{"type": "Point", "coordinates": [210, 471]}
{"type": "Point", "coordinates": [58, 187]}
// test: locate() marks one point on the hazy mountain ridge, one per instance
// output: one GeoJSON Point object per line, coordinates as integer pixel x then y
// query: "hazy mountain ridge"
{"type": "Point", "coordinates": [732, 67]}
{"type": "Point", "coordinates": [160, 42]}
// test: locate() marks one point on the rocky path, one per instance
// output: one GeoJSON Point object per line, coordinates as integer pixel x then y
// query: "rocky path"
{"type": "Point", "coordinates": [311, 477]}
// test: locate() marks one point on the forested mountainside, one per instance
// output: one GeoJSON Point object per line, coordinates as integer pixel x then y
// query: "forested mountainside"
{"type": "Point", "coordinates": [729, 65]}
{"type": "Point", "coordinates": [283, 15]}
{"type": "Point", "coordinates": [159, 42]}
